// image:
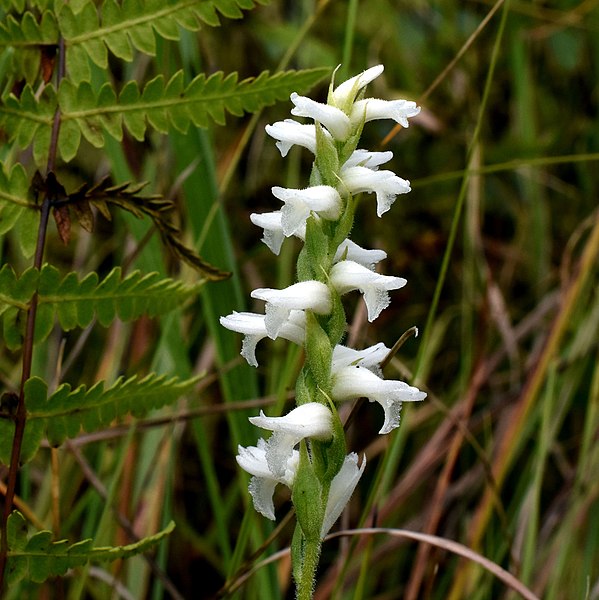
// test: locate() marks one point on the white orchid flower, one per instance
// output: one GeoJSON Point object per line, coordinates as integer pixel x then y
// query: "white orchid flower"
{"type": "Point", "coordinates": [299, 204]}
{"type": "Point", "coordinates": [262, 485]}
{"type": "Point", "coordinates": [253, 326]}
{"type": "Point", "coordinates": [342, 487]}
{"type": "Point", "coordinates": [345, 93]}
{"type": "Point", "coordinates": [290, 133]}
{"type": "Point", "coordinates": [311, 420]}
{"type": "Point", "coordinates": [370, 358]}
{"type": "Point", "coordinates": [272, 224]}
{"type": "Point", "coordinates": [350, 383]}
{"type": "Point", "coordinates": [348, 275]}
{"type": "Point", "coordinates": [371, 109]}
{"type": "Point", "coordinates": [366, 158]}
{"type": "Point", "coordinates": [349, 250]}
{"type": "Point", "coordinates": [333, 118]}
{"type": "Point", "coordinates": [385, 184]}
{"type": "Point", "coordinates": [305, 295]}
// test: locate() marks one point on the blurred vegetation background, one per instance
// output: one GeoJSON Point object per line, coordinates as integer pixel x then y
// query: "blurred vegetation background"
{"type": "Point", "coordinates": [499, 241]}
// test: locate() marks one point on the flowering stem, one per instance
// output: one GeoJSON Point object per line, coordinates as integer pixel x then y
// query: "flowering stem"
{"type": "Point", "coordinates": [305, 585]}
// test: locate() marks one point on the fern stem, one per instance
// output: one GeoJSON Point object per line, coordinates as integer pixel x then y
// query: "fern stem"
{"type": "Point", "coordinates": [20, 417]}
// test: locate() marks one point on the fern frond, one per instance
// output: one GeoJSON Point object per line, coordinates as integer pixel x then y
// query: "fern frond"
{"type": "Point", "coordinates": [76, 302]}
{"type": "Point", "coordinates": [28, 31]}
{"type": "Point", "coordinates": [37, 558]}
{"type": "Point", "coordinates": [66, 412]}
{"type": "Point", "coordinates": [131, 24]}
{"type": "Point", "coordinates": [17, 208]}
{"type": "Point", "coordinates": [161, 104]}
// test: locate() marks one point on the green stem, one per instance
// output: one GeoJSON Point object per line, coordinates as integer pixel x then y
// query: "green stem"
{"type": "Point", "coordinates": [311, 556]}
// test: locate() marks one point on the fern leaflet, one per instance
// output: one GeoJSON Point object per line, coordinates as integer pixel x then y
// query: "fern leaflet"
{"type": "Point", "coordinates": [66, 412]}
{"type": "Point", "coordinates": [37, 558]}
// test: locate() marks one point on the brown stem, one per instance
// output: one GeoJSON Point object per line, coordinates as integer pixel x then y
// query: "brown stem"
{"type": "Point", "coordinates": [20, 417]}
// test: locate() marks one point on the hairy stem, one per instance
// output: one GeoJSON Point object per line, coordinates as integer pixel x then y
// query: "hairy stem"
{"type": "Point", "coordinates": [20, 417]}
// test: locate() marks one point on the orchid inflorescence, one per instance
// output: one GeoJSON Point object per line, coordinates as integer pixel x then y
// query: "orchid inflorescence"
{"type": "Point", "coordinates": [306, 450]}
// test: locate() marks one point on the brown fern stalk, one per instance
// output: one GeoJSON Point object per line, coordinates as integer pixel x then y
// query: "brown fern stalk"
{"type": "Point", "coordinates": [20, 417]}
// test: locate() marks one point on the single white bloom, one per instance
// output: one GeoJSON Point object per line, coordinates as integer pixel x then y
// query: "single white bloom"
{"type": "Point", "coordinates": [366, 158]}
{"type": "Point", "coordinates": [348, 275]}
{"type": "Point", "coordinates": [333, 118]}
{"type": "Point", "coordinates": [370, 358]}
{"type": "Point", "coordinates": [322, 199]}
{"type": "Point", "coordinates": [262, 485]}
{"type": "Point", "coordinates": [349, 250]}
{"type": "Point", "coordinates": [253, 326]}
{"type": "Point", "coordinates": [371, 109]}
{"type": "Point", "coordinates": [350, 383]}
{"type": "Point", "coordinates": [342, 487]}
{"type": "Point", "coordinates": [345, 93]}
{"type": "Point", "coordinates": [311, 420]}
{"type": "Point", "coordinates": [289, 133]}
{"type": "Point", "coordinates": [385, 184]}
{"type": "Point", "coordinates": [272, 223]}
{"type": "Point", "coordinates": [305, 295]}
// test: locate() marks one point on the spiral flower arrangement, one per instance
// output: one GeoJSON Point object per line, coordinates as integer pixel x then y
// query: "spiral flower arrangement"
{"type": "Point", "coordinates": [306, 450]}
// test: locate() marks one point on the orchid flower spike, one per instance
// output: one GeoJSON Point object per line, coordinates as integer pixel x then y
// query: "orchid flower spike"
{"type": "Point", "coordinates": [311, 420]}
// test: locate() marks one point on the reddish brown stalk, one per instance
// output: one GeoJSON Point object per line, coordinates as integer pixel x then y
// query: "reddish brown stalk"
{"type": "Point", "coordinates": [20, 418]}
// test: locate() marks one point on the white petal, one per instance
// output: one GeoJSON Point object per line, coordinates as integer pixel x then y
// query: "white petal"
{"type": "Point", "coordinates": [273, 229]}
{"type": "Point", "coordinates": [369, 358]}
{"type": "Point", "coordinates": [357, 382]}
{"type": "Point", "coordinates": [289, 133]}
{"type": "Point", "coordinates": [334, 119]}
{"type": "Point", "coordinates": [373, 108]}
{"type": "Point", "coordinates": [311, 420]}
{"type": "Point", "coordinates": [345, 93]}
{"type": "Point", "coordinates": [365, 158]}
{"type": "Point", "coordinates": [348, 275]}
{"type": "Point", "coordinates": [305, 295]}
{"type": "Point", "coordinates": [342, 487]}
{"type": "Point", "coordinates": [349, 250]}
{"type": "Point", "coordinates": [385, 184]}
{"type": "Point", "coordinates": [253, 326]}
{"type": "Point", "coordinates": [299, 204]}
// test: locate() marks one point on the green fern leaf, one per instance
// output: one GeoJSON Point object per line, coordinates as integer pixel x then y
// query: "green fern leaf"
{"type": "Point", "coordinates": [203, 101]}
{"type": "Point", "coordinates": [66, 412]}
{"type": "Point", "coordinates": [130, 25]}
{"type": "Point", "coordinates": [76, 302]}
{"type": "Point", "coordinates": [37, 558]}
{"type": "Point", "coordinates": [17, 208]}
{"type": "Point", "coordinates": [28, 31]}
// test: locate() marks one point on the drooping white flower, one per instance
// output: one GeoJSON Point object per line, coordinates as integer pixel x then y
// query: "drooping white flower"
{"type": "Point", "coordinates": [253, 327]}
{"type": "Point", "coordinates": [385, 184]}
{"type": "Point", "coordinates": [342, 487]}
{"type": "Point", "coordinates": [262, 485]}
{"type": "Point", "coordinates": [305, 295]}
{"type": "Point", "coordinates": [371, 109]}
{"type": "Point", "coordinates": [349, 250]}
{"type": "Point", "coordinates": [366, 158]}
{"type": "Point", "coordinates": [348, 275]}
{"type": "Point", "coordinates": [272, 223]}
{"type": "Point", "coordinates": [350, 383]}
{"type": "Point", "coordinates": [299, 204]}
{"type": "Point", "coordinates": [333, 118]}
{"type": "Point", "coordinates": [345, 93]}
{"type": "Point", "coordinates": [311, 420]}
{"type": "Point", "coordinates": [370, 358]}
{"type": "Point", "coordinates": [289, 133]}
